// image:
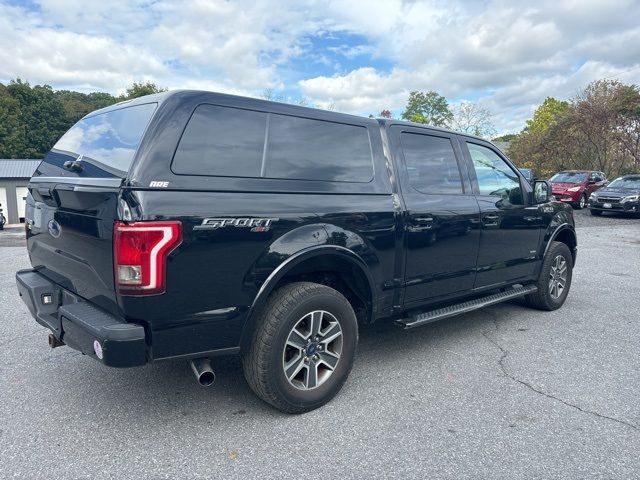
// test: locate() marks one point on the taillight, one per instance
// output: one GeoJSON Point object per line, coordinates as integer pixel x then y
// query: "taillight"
{"type": "Point", "coordinates": [140, 251]}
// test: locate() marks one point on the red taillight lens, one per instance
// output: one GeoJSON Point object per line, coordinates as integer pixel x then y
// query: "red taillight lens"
{"type": "Point", "coordinates": [140, 251]}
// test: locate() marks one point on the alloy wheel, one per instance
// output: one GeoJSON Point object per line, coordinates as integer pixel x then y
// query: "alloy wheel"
{"type": "Point", "coordinates": [312, 351]}
{"type": "Point", "coordinates": [558, 277]}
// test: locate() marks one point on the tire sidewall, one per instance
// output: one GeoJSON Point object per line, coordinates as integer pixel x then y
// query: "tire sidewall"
{"type": "Point", "coordinates": [342, 311]}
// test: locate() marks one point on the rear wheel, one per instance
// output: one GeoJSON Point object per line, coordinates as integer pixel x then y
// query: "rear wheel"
{"type": "Point", "coordinates": [303, 347]}
{"type": "Point", "coordinates": [596, 213]}
{"type": "Point", "coordinates": [555, 279]}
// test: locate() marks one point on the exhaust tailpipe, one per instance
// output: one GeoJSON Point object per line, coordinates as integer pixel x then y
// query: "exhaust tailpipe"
{"type": "Point", "coordinates": [54, 342]}
{"type": "Point", "coordinates": [202, 370]}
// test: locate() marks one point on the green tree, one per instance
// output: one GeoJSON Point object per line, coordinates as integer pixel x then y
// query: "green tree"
{"type": "Point", "coordinates": [546, 114]}
{"type": "Point", "coordinates": [12, 129]}
{"type": "Point", "coordinates": [140, 89]}
{"type": "Point", "coordinates": [33, 118]}
{"type": "Point", "coordinates": [430, 107]}
{"type": "Point", "coordinates": [41, 116]}
{"type": "Point", "coordinates": [77, 104]}
{"type": "Point", "coordinates": [509, 137]}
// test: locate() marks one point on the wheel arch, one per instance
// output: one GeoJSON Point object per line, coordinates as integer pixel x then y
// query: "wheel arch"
{"type": "Point", "coordinates": [331, 265]}
{"type": "Point", "coordinates": [564, 233]}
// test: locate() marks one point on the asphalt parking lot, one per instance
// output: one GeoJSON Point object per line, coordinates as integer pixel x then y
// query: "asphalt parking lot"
{"type": "Point", "coordinates": [505, 392]}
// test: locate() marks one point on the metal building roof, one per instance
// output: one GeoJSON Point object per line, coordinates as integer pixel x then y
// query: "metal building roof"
{"type": "Point", "coordinates": [24, 168]}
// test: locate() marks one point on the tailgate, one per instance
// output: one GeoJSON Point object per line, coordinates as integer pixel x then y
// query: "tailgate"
{"type": "Point", "coordinates": [70, 236]}
{"type": "Point", "coordinates": [73, 201]}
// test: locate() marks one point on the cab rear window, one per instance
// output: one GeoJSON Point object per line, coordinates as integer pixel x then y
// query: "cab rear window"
{"type": "Point", "coordinates": [107, 140]}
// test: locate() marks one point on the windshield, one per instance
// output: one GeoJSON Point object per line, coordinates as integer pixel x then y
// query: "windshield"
{"type": "Point", "coordinates": [569, 177]}
{"type": "Point", "coordinates": [630, 183]}
{"type": "Point", "coordinates": [109, 139]}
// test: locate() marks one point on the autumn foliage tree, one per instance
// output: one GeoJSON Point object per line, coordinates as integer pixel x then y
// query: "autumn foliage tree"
{"type": "Point", "coordinates": [599, 129]}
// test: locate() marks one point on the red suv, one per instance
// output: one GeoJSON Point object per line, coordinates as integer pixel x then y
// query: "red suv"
{"type": "Point", "coordinates": [575, 186]}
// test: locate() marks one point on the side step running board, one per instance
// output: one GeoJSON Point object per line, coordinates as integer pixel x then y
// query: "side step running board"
{"type": "Point", "coordinates": [446, 312]}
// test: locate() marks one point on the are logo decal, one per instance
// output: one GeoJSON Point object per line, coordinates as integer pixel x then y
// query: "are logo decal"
{"type": "Point", "coordinates": [255, 224]}
{"type": "Point", "coordinates": [159, 184]}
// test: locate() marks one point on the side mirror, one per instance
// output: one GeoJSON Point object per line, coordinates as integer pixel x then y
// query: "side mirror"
{"type": "Point", "coordinates": [541, 192]}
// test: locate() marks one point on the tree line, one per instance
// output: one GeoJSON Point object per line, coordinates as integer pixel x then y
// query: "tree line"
{"type": "Point", "coordinates": [598, 129]}
{"type": "Point", "coordinates": [33, 118]}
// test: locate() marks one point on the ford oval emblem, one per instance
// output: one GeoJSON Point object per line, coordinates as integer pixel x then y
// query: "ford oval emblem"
{"type": "Point", "coordinates": [54, 228]}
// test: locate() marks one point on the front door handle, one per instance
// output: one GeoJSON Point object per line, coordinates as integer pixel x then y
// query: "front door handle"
{"type": "Point", "coordinates": [490, 219]}
{"type": "Point", "coordinates": [424, 219]}
{"type": "Point", "coordinates": [424, 222]}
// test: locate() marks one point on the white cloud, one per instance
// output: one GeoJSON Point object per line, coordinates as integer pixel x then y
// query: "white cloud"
{"type": "Point", "coordinates": [509, 55]}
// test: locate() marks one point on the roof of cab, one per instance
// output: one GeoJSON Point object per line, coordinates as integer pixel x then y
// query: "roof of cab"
{"type": "Point", "coordinates": [390, 121]}
{"type": "Point", "coordinates": [293, 109]}
{"type": "Point", "coordinates": [215, 96]}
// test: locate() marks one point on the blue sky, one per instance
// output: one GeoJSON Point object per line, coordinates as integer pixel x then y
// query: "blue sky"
{"type": "Point", "coordinates": [360, 56]}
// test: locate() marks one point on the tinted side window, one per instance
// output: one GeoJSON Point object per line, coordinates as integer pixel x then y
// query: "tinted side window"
{"type": "Point", "coordinates": [307, 149]}
{"type": "Point", "coordinates": [431, 163]}
{"type": "Point", "coordinates": [222, 141]}
{"type": "Point", "coordinates": [495, 177]}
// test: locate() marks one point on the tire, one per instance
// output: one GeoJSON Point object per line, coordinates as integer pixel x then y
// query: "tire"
{"type": "Point", "coordinates": [582, 203]}
{"type": "Point", "coordinates": [596, 213]}
{"type": "Point", "coordinates": [291, 307]}
{"type": "Point", "coordinates": [544, 298]}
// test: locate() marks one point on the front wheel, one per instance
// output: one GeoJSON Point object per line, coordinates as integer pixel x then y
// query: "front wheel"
{"type": "Point", "coordinates": [582, 202]}
{"type": "Point", "coordinates": [303, 347]}
{"type": "Point", "coordinates": [554, 280]}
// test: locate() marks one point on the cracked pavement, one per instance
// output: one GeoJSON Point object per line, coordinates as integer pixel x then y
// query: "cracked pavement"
{"type": "Point", "coordinates": [501, 393]}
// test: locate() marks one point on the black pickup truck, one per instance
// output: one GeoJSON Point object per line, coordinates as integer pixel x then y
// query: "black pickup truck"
{"type": "Point", "coordinates": [193, 224]}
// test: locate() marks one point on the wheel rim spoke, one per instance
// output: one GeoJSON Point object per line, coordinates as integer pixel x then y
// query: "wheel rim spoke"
{"type": "Point", "coordinates": [329, 359]}
{"type": "Point", "coordinates": [293, 367]}
{"type": "Point", "coordinates": [312, 350]}
{"type": "Point", "coordinates": [332, 332]}
{"type": "Point", "coordinates": [297, 339]}
{"type": "Point", "coordinates": [311, 378]}
{"type": "Point", "coordinates": [315, 323]}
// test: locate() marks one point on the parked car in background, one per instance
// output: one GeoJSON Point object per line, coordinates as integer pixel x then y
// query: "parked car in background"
{"type": "Point", "coordinates": [528, 174]}
{"type": "Point", "coordinates": [621, 195]}
{"type": "Point", "coordinates": [575, 186]}
{"type": "Point", "coordinates": [3, 220]}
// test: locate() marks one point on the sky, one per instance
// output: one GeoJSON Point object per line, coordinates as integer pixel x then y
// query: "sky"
{"type": "Point", "coordinates": [357, 56]}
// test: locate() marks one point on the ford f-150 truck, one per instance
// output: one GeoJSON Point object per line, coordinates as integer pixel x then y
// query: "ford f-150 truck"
{"type": "Point", "coordinates": [193, 224]}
